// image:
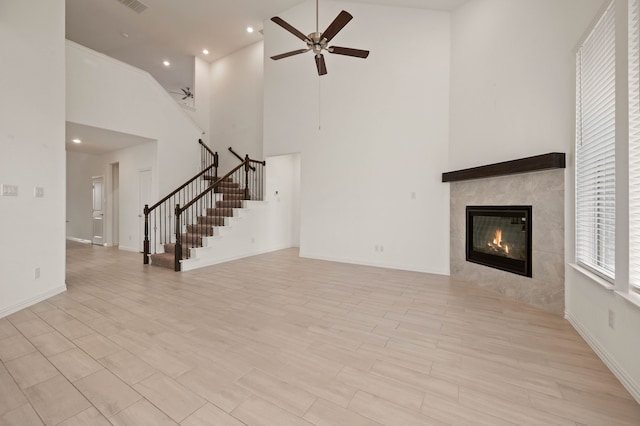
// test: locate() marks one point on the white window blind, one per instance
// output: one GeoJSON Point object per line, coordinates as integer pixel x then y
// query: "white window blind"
{"type": "Point", "coordinates": [634, 145]}
{"type": "Point", "coordinates": [595, 148]}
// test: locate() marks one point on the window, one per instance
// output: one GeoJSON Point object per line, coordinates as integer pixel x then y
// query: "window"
{"type": "Point", "coordinates": [595, 148]}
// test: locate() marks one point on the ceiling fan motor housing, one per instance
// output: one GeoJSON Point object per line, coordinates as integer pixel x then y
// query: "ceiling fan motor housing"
{"type": "Point", "coordinates": [317, 43]}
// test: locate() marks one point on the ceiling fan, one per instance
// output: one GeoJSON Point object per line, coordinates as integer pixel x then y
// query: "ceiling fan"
{"type": "Point", "coordinates": [186, 93]}
{"type": "Point", "coordinates": [318, 42]}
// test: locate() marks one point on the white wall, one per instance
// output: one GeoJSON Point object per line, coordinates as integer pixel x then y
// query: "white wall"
{"type": "Point", "coordinates": [282, 191]}
{"type": "Point", "coordinates": [370, 133]}
{"type": "Point", "coordinates": [82, 167]}
{"type": "Point", "coordinates": [32, 140]}
{"type": "Point", "coordinates": [105, 93]}
{"type": "Point", "coordinates": [512, 78]}
{"type": "Point", "coordinates": [201, 112]}
{"type": "Point", "coordinates": [79, 190]}
{"type": "Point", "coordinates": [237, 105]}
{"type": "Point", "coordinates": [512, 95]}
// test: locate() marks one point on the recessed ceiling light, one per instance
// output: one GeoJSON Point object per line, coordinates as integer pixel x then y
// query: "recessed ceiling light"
{"type": "Point", "coordinates": [249, 30]}
{"type": "Point", "coordinates": [76, 141]}
{"type": "Point", "coordinates": [166, 63]}
{"type": "Point", "coordinates": [205, 51]}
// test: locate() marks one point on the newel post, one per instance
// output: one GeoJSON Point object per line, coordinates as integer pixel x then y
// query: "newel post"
{"type": "Point", "coordinates": [215, 166]}
{"type": "Point", "coordinates": [247, 166]}
{"type": "Point", "coordinates": [146, 250]}
{"type": "Point", "coordinates": [178, 248]}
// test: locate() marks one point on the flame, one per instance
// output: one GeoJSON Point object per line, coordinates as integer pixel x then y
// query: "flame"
{"type": "Point", "coordinates": [506, 249]}
{"type": "Point", "coordinates": [497, 240]}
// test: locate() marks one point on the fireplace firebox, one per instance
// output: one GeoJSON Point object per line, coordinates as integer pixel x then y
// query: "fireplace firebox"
{"type": "Point", "coordinates": [500, 237]}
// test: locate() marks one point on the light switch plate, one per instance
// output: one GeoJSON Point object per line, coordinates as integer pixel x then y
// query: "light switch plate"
{"type": "Point", "coordinates": [38, 191]}
{"type": "Point", "coordinates": [9, 190]}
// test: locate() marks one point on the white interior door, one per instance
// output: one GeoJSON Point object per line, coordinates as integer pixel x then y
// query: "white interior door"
{"type": "Point", "coordinates": [98, 211]}
{"type": "Point", "coordinates": [115, 204]}
{"type": "Point", "coordinates": [145, 198]}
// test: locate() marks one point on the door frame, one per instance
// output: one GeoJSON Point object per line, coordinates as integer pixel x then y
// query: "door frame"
{"type": "Point", "coordinates": [103, 210]}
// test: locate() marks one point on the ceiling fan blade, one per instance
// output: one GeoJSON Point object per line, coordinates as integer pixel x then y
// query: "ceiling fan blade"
{"type": "Point", "coordinates": [334, 28]}
{"type": "Point", "coordinates": [322, 67]}
{"type": "Point", "coordinates": [349, 52]}
{"type": "Point", "coordinates": [284, 24]}
{"type": "Point", "coordinates": [286, 55]}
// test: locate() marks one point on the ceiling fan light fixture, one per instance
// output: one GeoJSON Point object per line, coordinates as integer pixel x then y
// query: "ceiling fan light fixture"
{"type": "Point", "coordinates": [319, 41]}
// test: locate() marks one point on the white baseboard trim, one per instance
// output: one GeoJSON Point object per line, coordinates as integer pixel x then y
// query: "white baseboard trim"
{"type": "Point", "coordinates": [31, 301]}
{"type": "Point", "coordinates": [610, 362]}
{"type": "Point", "coordinates": [79, 240]}
{"type": "Point", "coordinates": [399, 267]}
{"type": "Point", "coordinates": [131, 249]}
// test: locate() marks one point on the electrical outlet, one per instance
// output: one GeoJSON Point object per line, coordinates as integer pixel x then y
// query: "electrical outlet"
{"type": "Point", "coordinates": [9, 190]}
{"type": "Point", "coordinates": [38, 191]}
{"type": "Point", "coordinates": [612, 319]}
{"type": "Point", "coordinates": [36, 273]}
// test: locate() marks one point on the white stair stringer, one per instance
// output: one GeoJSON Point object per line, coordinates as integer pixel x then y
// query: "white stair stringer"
{"type": "Point", "coordinates": [247, 233]}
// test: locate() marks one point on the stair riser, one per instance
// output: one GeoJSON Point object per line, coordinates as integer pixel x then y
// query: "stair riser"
{"type": "Point", "coordinates": [211, 220]}
{"type": "Point", "coordinates": [163, 261]}
{"type": "Point", "coordinates": [229, 203]}
{"type": "Point", "coordinates": [201, 230]}
{"type": "Point", "coordinates": [171, 249]}
{"type": "Point", "coordinates": [226, 191]}
{"type": "Point", "coordinates": [229, 197]}
{"type": "Point", "coordinates": [232, 185]}
{"type": "Point", "coordinates": [226, 212]}
{"type": "Point", "coordinates": [191, 240]}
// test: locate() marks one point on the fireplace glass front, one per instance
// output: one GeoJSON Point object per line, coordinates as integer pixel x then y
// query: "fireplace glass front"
{"type": "Point", "coordinates": [500, 237]}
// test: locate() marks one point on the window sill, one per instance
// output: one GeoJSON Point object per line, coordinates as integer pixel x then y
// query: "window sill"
{"type": "Point", "coordinates": [597, 279]}
{"type": "Point", "coordinates": [630, 296]}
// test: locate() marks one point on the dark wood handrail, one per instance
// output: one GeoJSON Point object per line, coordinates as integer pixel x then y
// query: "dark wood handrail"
{"type": "Point", "coordinates": [236, 154]}
{"type": "Point", "coordinates": [181, 187]}
{"type": "Point", "coordinates": [211, 188]}
{"type": "Point", "coordinates": [253, 169]}
{"type": "Point", "coordinates": [206, 147]}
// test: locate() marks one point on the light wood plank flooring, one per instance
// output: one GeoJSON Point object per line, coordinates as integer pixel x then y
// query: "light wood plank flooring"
{"type": "Point", "coordinates": [279, 340]}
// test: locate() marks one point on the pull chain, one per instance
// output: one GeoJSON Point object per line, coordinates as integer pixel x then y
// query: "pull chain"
{"type": "Point", "coordinates": [319, 104]}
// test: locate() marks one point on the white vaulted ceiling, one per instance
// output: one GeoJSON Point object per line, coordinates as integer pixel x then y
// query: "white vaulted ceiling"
{"type": "Point", "coordinates": [169, 27]}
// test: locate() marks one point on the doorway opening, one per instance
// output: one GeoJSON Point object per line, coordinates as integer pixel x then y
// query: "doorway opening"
{"type": "Point", "coordinates": [115, 204]}
{"type": "Point", "coordinates": [97, 214]}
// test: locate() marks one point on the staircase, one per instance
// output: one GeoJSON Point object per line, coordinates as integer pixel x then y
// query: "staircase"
{"type": "Point", "coordinates": [201, 208]}
{"type": "Point", "coordinates": [231, 197]}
